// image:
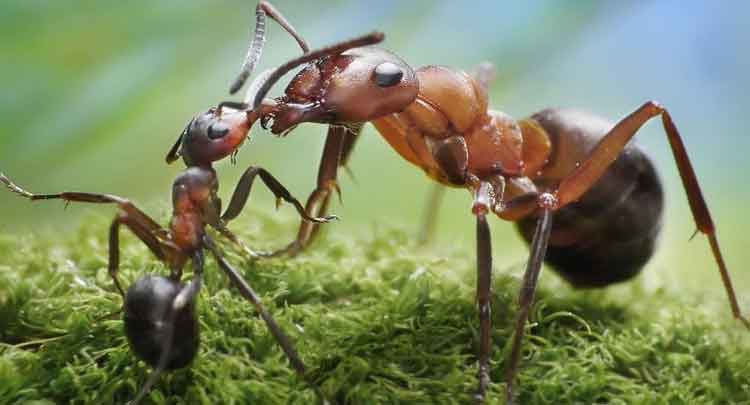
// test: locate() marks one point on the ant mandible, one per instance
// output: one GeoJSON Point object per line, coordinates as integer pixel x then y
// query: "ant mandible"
{"type": "Point", "coordinates": [588, 201]}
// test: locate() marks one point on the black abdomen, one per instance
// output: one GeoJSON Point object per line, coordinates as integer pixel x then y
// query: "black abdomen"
{"type": "Point", "coordinates": [150, 328]}
{"type": "Point", "coordinates": [610, 233]}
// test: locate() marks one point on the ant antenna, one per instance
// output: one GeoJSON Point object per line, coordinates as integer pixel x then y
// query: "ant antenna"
{"type": "Point", "coordinates": [174, 153]}
{"type": "Point", "coordinates": [256, 84]}
{"type": "Point", "coordinates": [369, 39]}
{"type": "Point", "coordinates": [255, 49]}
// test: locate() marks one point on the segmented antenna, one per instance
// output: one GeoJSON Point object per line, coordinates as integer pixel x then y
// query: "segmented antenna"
{"type": "Point", "coordinates": [369, 39]}
{"type": "Point", "coordinates": [256, 84]}
{"type": "Point", "coordinates": [13, 187]}
{"type": "Point", "coordinates": [255, 49]}
{"type": "Point", "coordinates": [174, 152]}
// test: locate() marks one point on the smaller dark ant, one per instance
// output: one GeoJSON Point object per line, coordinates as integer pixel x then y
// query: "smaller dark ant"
{"type": "Point", "coordinates": [159, 317]}
{"type": "Point", "coordinates": [159, 312]}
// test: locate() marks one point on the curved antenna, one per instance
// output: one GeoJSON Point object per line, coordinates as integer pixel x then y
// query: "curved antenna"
{"type": "Point", "coordinates": [256, 84]}
{"type": "Point", "coordinates": [174, 153]}
{"type": "Point", "coordinates": [369, 39]}
{"type": "Point", "coordinates": [255, 49]}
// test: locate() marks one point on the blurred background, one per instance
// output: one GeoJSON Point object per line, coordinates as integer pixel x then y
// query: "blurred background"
{"type": "Point", "coordinates": [95, 93]}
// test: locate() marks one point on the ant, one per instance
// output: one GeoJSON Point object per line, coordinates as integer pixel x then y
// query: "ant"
{"type": "Point", "coordinates": [587, 201]}
{"type": "Point", "coordinates": [159, 312]}
{"type": "Point", "coordinates": [159, 315]}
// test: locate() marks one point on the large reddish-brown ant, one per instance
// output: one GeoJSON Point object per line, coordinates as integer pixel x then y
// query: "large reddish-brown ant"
{"type": "Point", "coordinates": [577, 169]}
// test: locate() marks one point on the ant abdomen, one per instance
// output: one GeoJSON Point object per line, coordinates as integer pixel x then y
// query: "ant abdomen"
{"type": "Point", "coordinates": [153, 330]}
{"type": "Point", "coordinates": [609, 234]}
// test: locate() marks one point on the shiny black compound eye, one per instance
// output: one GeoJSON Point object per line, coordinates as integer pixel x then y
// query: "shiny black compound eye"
{"type": "Point", "coordinates": [388, 74]}
{"type": "Point", "coordinates": [218, 130]}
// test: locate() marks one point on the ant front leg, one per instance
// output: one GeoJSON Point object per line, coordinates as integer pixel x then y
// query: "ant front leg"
{"type": "Point", "coordinates": [242, 194]}
{"type": "Point", "coordinates": [430, 214]}
{"type": "Point", "coordinates": [611, 145]}
{"type": "Point", "coordinates": [145, 228]}
{"type": "Point", "coordinates": [317, 203]}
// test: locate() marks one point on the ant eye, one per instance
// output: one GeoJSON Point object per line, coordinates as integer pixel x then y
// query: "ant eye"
{"type": "Point", "coordinates": [216, 131]}
{"type": "Point", "coordinates": [388, 74]}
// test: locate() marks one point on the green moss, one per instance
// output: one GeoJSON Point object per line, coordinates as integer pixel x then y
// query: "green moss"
{"type": "Point", "coordinates": [375, 319]}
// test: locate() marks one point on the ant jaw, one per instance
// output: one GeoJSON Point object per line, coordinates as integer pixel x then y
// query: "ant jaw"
{"type": "Point", "coordinates": [289, 115]}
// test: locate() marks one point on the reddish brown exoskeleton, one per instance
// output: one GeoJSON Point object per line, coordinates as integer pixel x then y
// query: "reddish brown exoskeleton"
{"type": "Point", "coordinates": [603, 193]}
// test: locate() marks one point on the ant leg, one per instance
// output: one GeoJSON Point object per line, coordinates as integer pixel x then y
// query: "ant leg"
{"type": "Point", "coordinates": [252, 254]}
{"type": "Point", "coordinates": [430, 215]}
{"type": "Point", "coordinates": [147, 230]}
{"type": "Point", "coordinates": [352, 136]}
{"type": "Point", "coordinates": [114, 254]}
{"type": "Point", "coordinates": [451, 156]}
{"type": "Point", "coordinates": [248, 293]}
{"type": "Point", "coordinates": [184, 298]}
{"type": "Point", "coordinates": [484, 200]}
{"type": "Point", "coordinates": [526, 296]}
{"type": "Point", "coordinates": [242, 193]}
{"type": "Point", "coordinates": [96, 198]}
{"type": "Point", "coordinates": [161, 249]}
{"type": "Point", "coordinates": [317, 203]}
{"type": "Point", "coordinates": [484, 282]}
{"type": "Point", "coordinates": [353, 133]}
{"type": "Point", "coordinates": [609, 147]}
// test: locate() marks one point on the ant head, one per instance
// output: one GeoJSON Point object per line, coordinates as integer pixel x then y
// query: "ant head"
{"type": "Point", "coordinates": [358, 85]}
{"type": "Point", "coordinates": [347, 82]}
{"type": "Point", "coordinates": [154, 329]}
{"type": "Point", "coordinates": [213, 135]}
